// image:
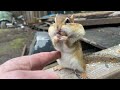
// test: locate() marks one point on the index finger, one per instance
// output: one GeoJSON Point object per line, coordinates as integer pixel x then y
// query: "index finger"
{"type": "Point", "coordinates": [32, 62]}
{"type": "Point", "coordinates": [38, 61]}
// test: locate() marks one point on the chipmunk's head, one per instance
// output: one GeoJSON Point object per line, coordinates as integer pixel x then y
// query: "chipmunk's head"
{"type": "Point", "coordinates": [62, 20]}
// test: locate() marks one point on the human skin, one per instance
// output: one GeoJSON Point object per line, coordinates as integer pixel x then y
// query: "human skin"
{"type": "Point", "coordinates": [29, 67]}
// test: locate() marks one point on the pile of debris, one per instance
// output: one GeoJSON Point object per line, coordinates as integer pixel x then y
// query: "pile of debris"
{"type": "Point", "coordinates": [86, 19]}
{"type": "Point", "coordinates": [44, 23]}
{"type": "Point", "coordinates": [8, 20]}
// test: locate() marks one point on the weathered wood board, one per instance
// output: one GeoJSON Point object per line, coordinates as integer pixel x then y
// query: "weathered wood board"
{"type": "Point", "coordinates": [99, 21]}
{"type": "Point", "coordinates": [102, 38]}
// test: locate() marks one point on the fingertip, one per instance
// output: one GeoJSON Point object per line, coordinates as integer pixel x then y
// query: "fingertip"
{"type": "Point", "coordinates": [56, 53]}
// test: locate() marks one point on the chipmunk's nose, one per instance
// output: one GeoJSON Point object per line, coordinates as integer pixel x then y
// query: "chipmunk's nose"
{"type": "Point", "coordinates": [58, 29]}
{"type": "Point", "coordinates": [58, 32]}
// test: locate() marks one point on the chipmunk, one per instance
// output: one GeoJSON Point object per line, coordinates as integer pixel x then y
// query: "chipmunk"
{"type": "Point", "coordinates": [65, 36]}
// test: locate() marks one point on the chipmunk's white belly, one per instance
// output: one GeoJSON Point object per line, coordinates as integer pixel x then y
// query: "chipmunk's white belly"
{"type": "Point", "coordinates": [68, 61]}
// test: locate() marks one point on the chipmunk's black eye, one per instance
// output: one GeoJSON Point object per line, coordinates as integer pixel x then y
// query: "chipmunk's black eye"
{"type": "Point", "coordinates": [67, 21]}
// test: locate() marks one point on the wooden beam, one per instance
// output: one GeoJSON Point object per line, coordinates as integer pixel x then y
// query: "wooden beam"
{"type": "Point", "coordinates": [93, 43]}
{"type": "Point", "coordinates": [93, 13]}
{"type": "Point", "coordinates": [24, 50]}
{"type": "Point", "coordinates": [100, 21]}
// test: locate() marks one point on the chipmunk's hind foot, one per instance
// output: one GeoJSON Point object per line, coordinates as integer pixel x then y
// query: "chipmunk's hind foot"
{"type": "Point", "coordinates": [81, 75]}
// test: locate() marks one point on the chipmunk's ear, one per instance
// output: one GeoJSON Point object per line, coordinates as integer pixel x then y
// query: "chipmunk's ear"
{"type": "Point", "coordinates": [55, 17]}
{"type": "Point", "coordinates": [72, 18]}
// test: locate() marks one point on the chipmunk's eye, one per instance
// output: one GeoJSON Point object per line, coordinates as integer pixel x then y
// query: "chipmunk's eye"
{"type": "Point", "coordinates": [67, 21]}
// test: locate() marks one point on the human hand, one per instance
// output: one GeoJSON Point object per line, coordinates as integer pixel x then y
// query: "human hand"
{"type": "Point", "coordinates": [29, 67]}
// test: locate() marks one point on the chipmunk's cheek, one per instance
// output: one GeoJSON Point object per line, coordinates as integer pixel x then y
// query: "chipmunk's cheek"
{"type": "Point", "coordinates": [65, 31]}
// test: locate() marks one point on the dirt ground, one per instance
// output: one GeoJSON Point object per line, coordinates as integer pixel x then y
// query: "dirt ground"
{"type": "Point", "coordinates": [12, 42]}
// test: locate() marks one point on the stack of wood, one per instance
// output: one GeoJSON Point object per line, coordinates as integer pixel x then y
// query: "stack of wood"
{"type": "Point", "coordinates": [86, 19]}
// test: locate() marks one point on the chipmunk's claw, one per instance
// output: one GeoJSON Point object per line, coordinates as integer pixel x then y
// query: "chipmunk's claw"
{"type": "Point", "coordinates": [81, 75]}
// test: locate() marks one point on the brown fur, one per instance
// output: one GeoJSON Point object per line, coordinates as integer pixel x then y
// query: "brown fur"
{"type": "Point", "coordinates": [79, 54]}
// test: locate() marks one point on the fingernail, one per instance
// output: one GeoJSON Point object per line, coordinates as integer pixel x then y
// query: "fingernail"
{"type": "Point", "coordinates": [57, 53]}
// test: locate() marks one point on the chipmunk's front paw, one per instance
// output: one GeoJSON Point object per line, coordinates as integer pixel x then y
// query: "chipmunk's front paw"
{"type": "Point", "coordinates": [56, 39]}
{"type": "Point", "coordinates": [83, 76]}
{"type": "Point", "coordinates": [64, 38]}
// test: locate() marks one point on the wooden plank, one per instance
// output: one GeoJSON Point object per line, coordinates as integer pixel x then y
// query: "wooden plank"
{"type": "Point", "coordinates": [101, 21]}
{"type": "Point", "coordinates": [48, 23]}
{"type": "Point", "coordinates": [93, 43]}
{"type": "Point", "coordinates": [24, 50]}
{"type": "Point", "coordinates": [93, 14]}
{"type": "Point", "coordinates": [102, 37]}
